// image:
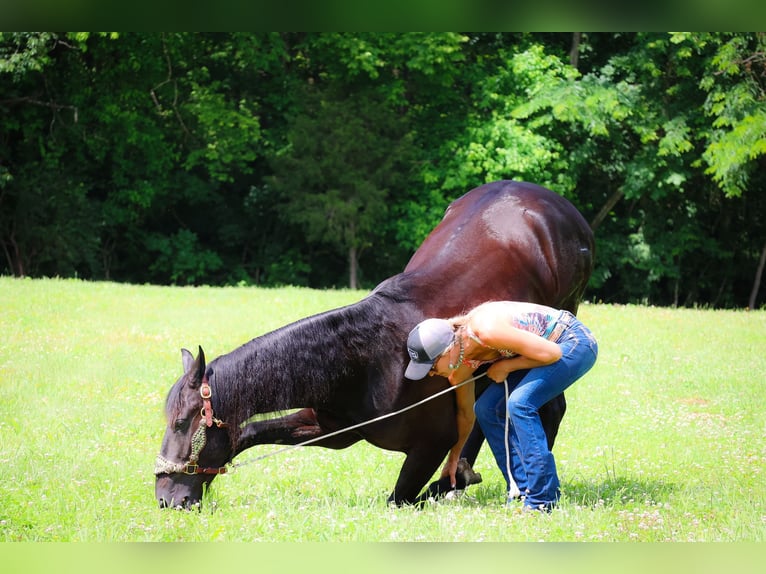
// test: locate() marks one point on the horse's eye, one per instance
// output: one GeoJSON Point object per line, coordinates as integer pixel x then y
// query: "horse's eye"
{"type": "Point", "coordinates": [181, 425]}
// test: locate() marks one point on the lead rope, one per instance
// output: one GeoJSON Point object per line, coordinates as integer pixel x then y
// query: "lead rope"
{"type": "Point", "coordinates": [513, 488]}
{"type": "Point", "coordinates": [356, 426]}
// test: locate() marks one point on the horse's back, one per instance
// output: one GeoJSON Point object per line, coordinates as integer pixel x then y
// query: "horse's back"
{"type": "Point", "coordinates": [505, 240]}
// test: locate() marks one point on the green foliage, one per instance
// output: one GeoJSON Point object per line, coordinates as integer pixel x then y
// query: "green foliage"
{"type": "Point", "coordinates": [231, 131]}
{"type": "Point", "coordinates": [314, 158]}
{"type": "Point", "coordinates": [180, 259]}
{"type": "Point", "coordinates": [736, 102]}
{"type": "Point", "coordinates": [343, 157]}
{"type": "Point", "coordinates": [21, 53]}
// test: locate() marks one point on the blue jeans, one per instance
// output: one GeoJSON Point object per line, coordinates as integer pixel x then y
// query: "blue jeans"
{"type": "Point", "coordinates": [532, 464]}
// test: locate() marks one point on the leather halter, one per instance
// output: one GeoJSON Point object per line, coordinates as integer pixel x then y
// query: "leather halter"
{"type": "Point", "coordinates": [207, 408]}
{"type": "Point", "coordinates": [198, 441]}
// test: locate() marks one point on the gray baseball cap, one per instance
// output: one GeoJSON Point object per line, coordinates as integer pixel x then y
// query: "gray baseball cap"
{"type": "Point", "coordinates": [428, 340]}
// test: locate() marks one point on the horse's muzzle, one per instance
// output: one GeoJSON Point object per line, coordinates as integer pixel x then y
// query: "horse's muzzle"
{"type": "Point", "coordinates": [178, 492]}
{"type": "Point", "coordinates": [185, 504]}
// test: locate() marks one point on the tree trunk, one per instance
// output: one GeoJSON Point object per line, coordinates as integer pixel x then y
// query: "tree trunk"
{"type": "Point", "coordinates": [610, 203]}
{"type": "Point", "coordinates": [353, 263]}
{"type": "Point", "coordinates": [757, 281]}
{"type": "Point", "coordinates": [574, 53]}
{"type": "Point", "coordinates": [14, 259]}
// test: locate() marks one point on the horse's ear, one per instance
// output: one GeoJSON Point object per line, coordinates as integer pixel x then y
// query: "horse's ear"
{"type": "Point", "coordinates": [187, 360]}
{"type": "Point", "coordinates": [194, 367]}
{"type": "Point", "coordinates": [200, 363]}
{"type": "Point", "coordinates": [196, 370]}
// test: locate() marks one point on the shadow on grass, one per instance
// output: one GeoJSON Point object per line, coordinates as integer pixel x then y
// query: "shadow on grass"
{"type": "Point", "coordinates": [616, 491]}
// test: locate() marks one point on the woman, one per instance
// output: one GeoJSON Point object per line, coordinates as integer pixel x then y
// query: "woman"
{"type": "Point", "coordinates": [552, 345]}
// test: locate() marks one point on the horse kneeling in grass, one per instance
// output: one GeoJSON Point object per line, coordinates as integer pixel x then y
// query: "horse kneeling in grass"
{"type": "Point", "coordinates": [502, 241]}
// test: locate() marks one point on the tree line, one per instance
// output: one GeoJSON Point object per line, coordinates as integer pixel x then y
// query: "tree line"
{"type": "Point", "coordinates": [323, 159]}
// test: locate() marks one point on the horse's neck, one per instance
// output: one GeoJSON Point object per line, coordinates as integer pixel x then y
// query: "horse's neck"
{"type": "Point", "coordinates": [303, 363]}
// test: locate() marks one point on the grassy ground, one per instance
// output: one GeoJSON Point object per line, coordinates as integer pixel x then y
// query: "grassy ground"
{"type": "Point", "coordinates": [664, 440]}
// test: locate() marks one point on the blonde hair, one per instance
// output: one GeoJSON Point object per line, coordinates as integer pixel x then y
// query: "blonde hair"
{"type": "Point", "coordinates": [459, 321]}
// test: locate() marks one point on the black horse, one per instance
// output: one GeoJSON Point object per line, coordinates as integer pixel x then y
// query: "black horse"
{"type": "Point", "coordinates": [503, 240]}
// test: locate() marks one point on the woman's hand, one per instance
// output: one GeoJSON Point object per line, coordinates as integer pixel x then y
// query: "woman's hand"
{"type": "Point", "coordinates": [499, 370]}
{"type": "Point", "coordinates": [450, 469]}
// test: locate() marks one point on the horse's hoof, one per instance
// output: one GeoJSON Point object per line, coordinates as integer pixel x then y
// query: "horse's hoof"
{"type": "Point", "coordinates": [467, 473]}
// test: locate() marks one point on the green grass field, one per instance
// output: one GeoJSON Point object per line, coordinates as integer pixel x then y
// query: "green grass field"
{"type": "Point", "coordinates": [664, 440]}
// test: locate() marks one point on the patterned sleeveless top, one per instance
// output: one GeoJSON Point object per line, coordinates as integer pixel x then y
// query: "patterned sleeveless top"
{"type": "Point", "coordinates": [538, 319]}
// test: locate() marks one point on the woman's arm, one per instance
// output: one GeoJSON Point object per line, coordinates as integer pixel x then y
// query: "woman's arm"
{"type": "Point", "coordinates": [499, 370]}
{"type": "Point", "coordinates": [464, 398]}
{"type": "Point", "coordinates": [533, 351]}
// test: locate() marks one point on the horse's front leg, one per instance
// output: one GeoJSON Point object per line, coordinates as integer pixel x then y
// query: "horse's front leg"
{"type": "Point", "coordinates": [293, 428]}
{"type": "Point", "coordinates": [418, 467]}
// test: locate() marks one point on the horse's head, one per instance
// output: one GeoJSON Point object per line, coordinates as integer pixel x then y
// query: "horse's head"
{"type": "Point", "coordinates": [196, 445]}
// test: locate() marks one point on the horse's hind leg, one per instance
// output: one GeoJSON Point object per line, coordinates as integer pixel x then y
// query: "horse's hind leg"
{"type": "Point", "coordinates": [551, 414]}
